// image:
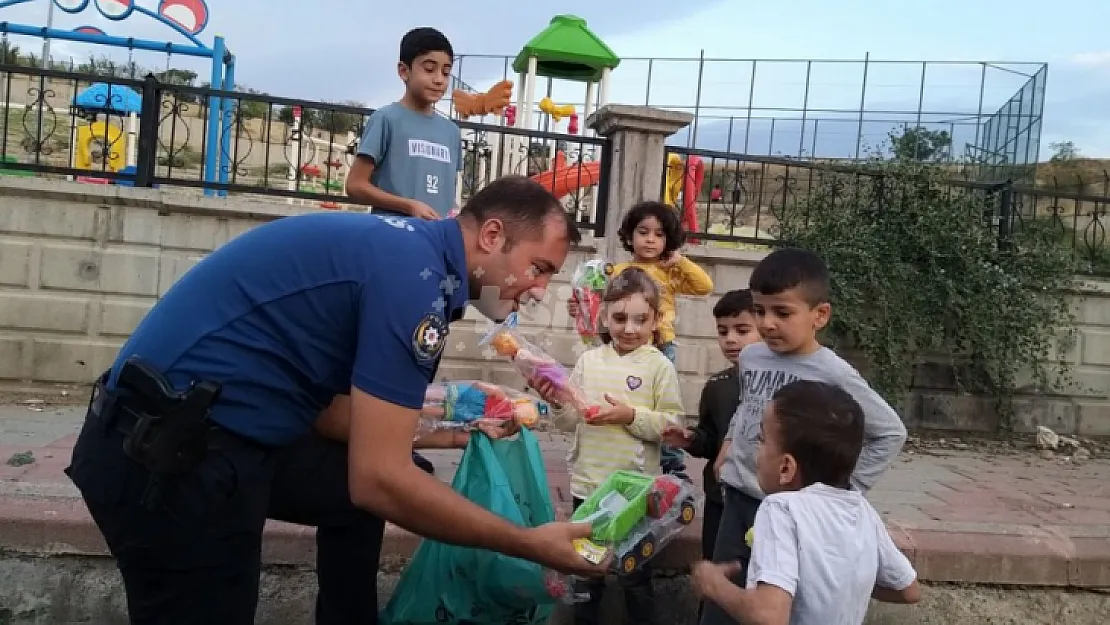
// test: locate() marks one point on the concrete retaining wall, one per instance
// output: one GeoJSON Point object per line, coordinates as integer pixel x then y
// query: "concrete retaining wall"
{"type": "Point", "coordinates": [81, 264]}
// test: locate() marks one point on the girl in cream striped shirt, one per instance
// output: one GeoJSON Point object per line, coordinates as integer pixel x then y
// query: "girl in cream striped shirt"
{"type": "Point", "coordinates": [637, 389]}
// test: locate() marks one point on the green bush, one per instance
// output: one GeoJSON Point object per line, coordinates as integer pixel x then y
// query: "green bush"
{"type": "Point", "coordinates": [919, 274]}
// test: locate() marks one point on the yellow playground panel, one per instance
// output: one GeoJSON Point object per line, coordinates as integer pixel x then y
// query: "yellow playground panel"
{"type": "Point", "coordinates": [97, 139]}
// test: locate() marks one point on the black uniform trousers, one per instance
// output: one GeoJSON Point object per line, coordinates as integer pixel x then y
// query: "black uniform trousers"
{"type": "Point", "coordinates": [195, 557]}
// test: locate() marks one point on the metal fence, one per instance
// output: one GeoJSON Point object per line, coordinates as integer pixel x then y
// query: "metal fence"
{"type": "Point", "coordinates": [148, 133]}
{"type": "Point", "coordinates": [736, 201]}
{"type": "Point", "coordinates": [829, 109]}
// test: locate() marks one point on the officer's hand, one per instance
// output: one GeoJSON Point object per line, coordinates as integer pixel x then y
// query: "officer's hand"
{"type": "Point", "coordinates": [551, 545]}
{"type": "Point", "coordinates": [498, 429]}
{"type": "Point", "coordinates": [573, 308]}
{"type": "Point", "coordinates": [421, 210]}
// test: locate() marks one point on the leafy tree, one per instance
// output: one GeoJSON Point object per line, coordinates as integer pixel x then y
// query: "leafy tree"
{"type": "Point", "coordinates": [250, 108]}
{"type": "Point", "coordinates": [920, 144]}
{"type": "Point", "coordinates": [175, 76]}
{"type": "Point", "coordinates": [921, 272]}
{"type": "Point", "coordinates": [9, 53]}
{"type": "Point", "coordinates": [326, 120]}
{"type": "Point", "coordinates": [1063, 151]}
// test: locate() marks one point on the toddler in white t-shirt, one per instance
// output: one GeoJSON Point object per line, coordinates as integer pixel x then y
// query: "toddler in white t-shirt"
{"type": "Point", "coordinates": [820, 552]}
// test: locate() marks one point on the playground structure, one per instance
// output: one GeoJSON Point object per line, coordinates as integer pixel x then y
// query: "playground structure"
{"type": "Point", "coordinates": [188, 18]}
{"type": "Point", "coordinates": [567, 50]}
{"type": "Point", "coordinates": [98, 144]}
{"type": "Point", "coordinates": [307, 172]}
{"type": "Point", "coordinates": [684, 181]}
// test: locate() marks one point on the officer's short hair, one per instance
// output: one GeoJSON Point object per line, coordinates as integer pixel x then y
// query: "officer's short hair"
{"type": "Point", "coordinates": [522, 204]}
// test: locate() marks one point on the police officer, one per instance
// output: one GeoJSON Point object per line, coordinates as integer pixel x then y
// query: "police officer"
{"type": "Point", "coordinates": [281, 377]}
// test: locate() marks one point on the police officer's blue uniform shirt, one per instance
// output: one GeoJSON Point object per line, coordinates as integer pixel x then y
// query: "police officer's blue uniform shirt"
{"type": "Point", "coordinates": [298, 310]}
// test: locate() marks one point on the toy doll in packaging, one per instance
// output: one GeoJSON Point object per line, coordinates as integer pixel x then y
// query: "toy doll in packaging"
{"type": "Point", "coordinates": [533, 363]}
{"type": "Point", "coordinates": [589, 281]}
{"type": "Point", "coordinates": [462, 404]}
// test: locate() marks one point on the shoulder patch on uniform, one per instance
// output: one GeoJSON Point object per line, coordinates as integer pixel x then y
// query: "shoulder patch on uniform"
{"type": "Point", "coordinates": [429, 338]}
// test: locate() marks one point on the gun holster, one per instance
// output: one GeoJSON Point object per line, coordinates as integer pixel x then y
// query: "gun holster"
{"type": "Point", "coordinates": [170, 435]}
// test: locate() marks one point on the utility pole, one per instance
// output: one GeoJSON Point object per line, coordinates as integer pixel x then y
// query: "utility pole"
{"type": "Point", "coordinates": [46, 40]}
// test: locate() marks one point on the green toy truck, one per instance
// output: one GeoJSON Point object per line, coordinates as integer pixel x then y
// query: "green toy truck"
{"type": "Point", "coordinates": [636, 515]}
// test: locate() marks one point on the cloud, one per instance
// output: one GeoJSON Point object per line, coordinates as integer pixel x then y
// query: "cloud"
{"type": "Point", "coordinates": [1100, 59]}
{"type": "Point", "coordinates": [346, 50]}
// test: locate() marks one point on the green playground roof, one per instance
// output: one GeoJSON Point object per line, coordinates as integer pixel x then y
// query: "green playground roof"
{"type": "Point", "coordinates": [569, 50]}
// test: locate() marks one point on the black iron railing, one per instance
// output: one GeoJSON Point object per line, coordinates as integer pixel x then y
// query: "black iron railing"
{"type": "Point", "coordinates": [573, 167]}
{"type": "Point", "coordinates": [150, 133]}
{"type": "Point", "coordinates": [738, 200]}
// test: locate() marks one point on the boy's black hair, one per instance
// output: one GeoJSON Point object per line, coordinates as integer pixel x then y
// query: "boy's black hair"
{"type": "Point", "coordinates": [631, 281]}
{"type": "Point", "coordinates": [821, 425]}
{"type": "Point", "coordinates": [733, 303]}
{"type": "Point", "coordinates": [668, 219]}
{"type": "Point", "coordinates": [522, 205]}
{"type": "Point", "coordinates": [789, 268]}
{"type": "Point", "coordinates": [423, 40]}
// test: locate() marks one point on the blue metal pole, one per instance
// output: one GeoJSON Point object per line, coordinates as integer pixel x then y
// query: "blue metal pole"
{"type": "Point", "coordinates": [211, 142]}
{"type": "Point", "coordinates": [228, 125]}
{"type": "Point", "coordinates": [105, 40]}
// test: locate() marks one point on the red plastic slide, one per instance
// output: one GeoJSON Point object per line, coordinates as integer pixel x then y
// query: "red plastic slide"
{"type": "Point", "coordinates": [695, 177]}
{"type": "Point", "coordinates": [565, 179]}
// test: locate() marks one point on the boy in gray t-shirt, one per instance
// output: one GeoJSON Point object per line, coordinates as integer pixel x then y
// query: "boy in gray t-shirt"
{"type": "Point", "coordinates": [410, 155]}
{"type": "Point", "coordinates": [790, 289]}
{"type": "Point", "coordinates": [820, 552]}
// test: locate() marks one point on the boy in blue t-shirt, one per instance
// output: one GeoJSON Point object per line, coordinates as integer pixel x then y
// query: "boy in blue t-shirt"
{"type": "Point", "coordinates": [410, 155]}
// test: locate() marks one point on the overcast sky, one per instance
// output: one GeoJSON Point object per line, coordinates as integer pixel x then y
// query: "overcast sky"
{"type": "Point", "coordinates": [347, 50]}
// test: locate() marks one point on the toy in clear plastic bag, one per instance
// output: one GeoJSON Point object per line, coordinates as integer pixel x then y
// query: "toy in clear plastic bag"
{"type": "Point", "coordinates": [464, 404]}
{"type": "Point", "coordinates": [588, 283]}
{"type": "Point", "coordinates": [633, 517]}
{"type": "Point", "coordinates": [534, 363]}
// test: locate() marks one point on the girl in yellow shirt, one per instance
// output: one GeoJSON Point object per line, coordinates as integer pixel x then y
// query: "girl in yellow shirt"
{"type": "Point", "coordinates": [637, 389]}
{"type": "Point", "coordinates": [652, 233]}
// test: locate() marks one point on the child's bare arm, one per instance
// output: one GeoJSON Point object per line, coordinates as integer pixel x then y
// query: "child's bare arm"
{"type": "Point", "coordinates": [909, 594]}
{"type": "Point", "coordinates": [773, 570]}
{"type": "Point", "coordinates": [765, 604]}
{"type": "Point", "coordinates": [895, 580]}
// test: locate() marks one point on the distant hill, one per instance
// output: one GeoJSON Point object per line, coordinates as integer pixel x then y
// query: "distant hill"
{"type": "Point", "coordinates": [1090, 176]}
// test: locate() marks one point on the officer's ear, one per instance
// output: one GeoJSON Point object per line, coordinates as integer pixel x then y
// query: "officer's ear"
{"type": "Point", "coordinates": [492, 236]}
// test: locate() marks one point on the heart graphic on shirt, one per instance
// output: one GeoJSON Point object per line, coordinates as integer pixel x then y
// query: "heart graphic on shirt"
{"type": "Point", "coordinates": [633, 382]}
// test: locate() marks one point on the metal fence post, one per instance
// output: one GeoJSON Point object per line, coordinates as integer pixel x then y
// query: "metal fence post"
{"type": "Point", "coordinates": [147, 157]}
{"type": "Point", "coordinates": [1005, 214]}
{"type": "Point", "coordinates": [605, 172]}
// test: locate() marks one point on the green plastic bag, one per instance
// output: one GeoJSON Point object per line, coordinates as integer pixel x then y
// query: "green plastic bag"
{"type": "Point", "coordinates": [459, 585]}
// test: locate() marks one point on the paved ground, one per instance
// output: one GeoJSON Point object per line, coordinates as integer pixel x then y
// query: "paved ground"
{"type": "Point", "coordinates": [993, 515]}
